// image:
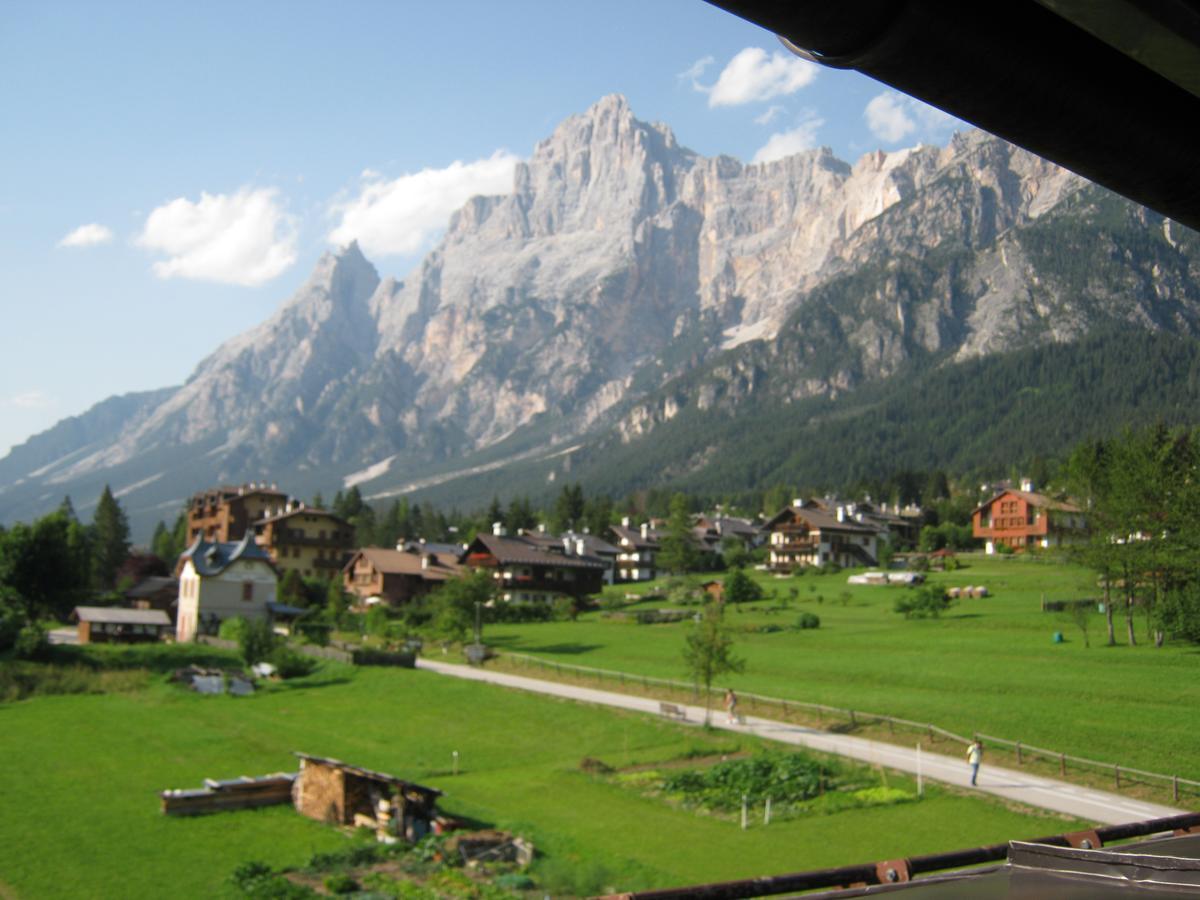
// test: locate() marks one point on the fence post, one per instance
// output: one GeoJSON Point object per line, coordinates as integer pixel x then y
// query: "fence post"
{"type": "Point", "coordinates": [853, 721]}
{"type": "Point", "coordinates": [891, 726]}
{"type": "Point", "coordinates": [1018, 753]}
{"type": "Point", "coordinates": [1062, 764]}
{"type": "Point", "coordinates": [1117, 773]}
{"type": "Point", "coordinates": [1175, 787]}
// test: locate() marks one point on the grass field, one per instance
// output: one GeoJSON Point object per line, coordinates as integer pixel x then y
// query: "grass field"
{"type": "Point", "coordinates": [79, 777]}
{"type": "Point", "coordinates": [988, 665]}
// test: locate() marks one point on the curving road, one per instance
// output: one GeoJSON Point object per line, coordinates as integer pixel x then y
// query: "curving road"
{"type": "Point", "coordinates": [1099, 807]}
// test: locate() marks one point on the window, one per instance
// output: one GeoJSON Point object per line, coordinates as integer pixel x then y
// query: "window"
{"type": "Point", "coordinates": [247, 591]}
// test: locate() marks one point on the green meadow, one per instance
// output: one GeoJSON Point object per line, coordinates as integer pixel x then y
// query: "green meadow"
{"type": "Point", "coordinates": [80, 774]}
{"type": "Point", "coordinates": [987, 665]}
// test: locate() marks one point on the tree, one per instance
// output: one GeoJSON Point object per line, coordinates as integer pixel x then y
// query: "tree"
{"type": "Point", "coordinates": [677, 551]}
{"type": "Point", "coordinates": [708, 652]}
{"type": "Point", "coordinates": [520, 515]}
{"type": "Point", "coordinates": [257, 641]}
{"type": "Point", "coordinates": [568, 509]}
{"type": "Point", "coordinates": [741, 588]}
{"type": "Point", "coordinates": [454, 604]}
{"type": "Point", "coordinates": [598, 515]}
{"type": "Point", "coordinates": [32, 575]}
{"type": "Point", "coordinates": [110, 540]}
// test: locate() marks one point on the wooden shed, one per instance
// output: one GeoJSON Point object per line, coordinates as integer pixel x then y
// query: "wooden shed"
{"type": "Point", "coordinates": [337, 793]}
{"type": "Point", "coordinates": [100, 624]}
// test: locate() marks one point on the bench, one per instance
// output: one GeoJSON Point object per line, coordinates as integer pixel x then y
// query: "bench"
{"type": "Point", "coordinates": [671, 711]}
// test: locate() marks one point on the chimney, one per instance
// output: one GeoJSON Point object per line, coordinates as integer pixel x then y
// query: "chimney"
{"type": "Point", "coordinates": [541, 527]}
{"type": "Point", "coordinates": [1027, 485]}
{"type": "Point", "coordinates": [797, 501]}
{"type": "Point", "coordinates": [566, 542]}
{"type": "Point", "coordinates": [841, 513]}
{"type": "Point", "coordinates": [579, 547]}
{"type": "Point", "coordinates": [624, 521]}
{"type": "Point", "coordinates": [498, 529]}
{"type": "Point", "coordinates": [426, 559]}
{"type": "Point", "coordinates": [645, 530]}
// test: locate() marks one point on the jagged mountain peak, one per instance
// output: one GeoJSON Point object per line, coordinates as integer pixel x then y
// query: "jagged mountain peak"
{"type": "Point", "coordinates": [618, 262]}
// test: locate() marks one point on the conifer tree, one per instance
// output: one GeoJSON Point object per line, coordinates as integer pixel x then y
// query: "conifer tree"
{"type": "Point", "coordinates": [110, 540]}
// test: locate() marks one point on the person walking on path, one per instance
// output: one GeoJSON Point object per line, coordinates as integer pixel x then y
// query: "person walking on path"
{"type": "Point", "coordinates": [731, 705]}
{"type": "Point", "coordinates": [974, 755]}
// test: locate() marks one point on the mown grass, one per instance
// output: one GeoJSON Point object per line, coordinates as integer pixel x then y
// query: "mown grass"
{"type": "Point", "coordinates": [79, 777]}
{"type": "Point", "coordinates": [988, 665]}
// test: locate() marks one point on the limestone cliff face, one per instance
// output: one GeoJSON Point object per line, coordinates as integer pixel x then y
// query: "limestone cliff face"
{"type": "Point", "coordinates": [624, 278]}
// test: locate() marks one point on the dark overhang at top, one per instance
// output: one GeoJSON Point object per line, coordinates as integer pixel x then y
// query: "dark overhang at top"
{"type": "Point", "coordinates": [1109, 90]}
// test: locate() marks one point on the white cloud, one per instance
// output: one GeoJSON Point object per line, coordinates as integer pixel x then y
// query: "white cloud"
{"type": "Point", "coordinates": [892, 117]}
{"type": "Point", "coordinates": [31, 400]}
{"type": "Point", "coordinates": [241, 238]}
{"type": "Point", "coordinates": [399, 217]}
{"type": "Point", "coordinates": [786, 143]}
{"type": "Point", "coordinates": [88, 235]}
{"type": "Point", "coordinates": [769, 116]}
{"type": "Point", "coordinates": [693, 72]}
{"type": "Point", "coordinates": [753, 76]}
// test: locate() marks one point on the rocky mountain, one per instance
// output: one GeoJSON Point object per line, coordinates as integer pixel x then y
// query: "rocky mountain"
{"type": "Point", "coordinates": [623, 279]}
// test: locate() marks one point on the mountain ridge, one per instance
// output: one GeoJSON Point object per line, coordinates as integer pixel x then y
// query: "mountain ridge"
{"type": "Point", "coordinates": [625, 278]}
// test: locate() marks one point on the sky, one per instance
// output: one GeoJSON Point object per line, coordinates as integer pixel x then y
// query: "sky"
{"type": "Point", "coordinates": [170, 173]}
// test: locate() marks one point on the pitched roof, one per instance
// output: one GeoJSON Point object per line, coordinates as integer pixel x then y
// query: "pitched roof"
{"type": "Point", "coordinates": [1041, 501]}
{"type": "Point", "coordinates": [408, 562]}
{"type": "Point", "coordinates": [522, 551]}
{"type": "Point", "coordinates": [634, 536]}
{"type": "Point", "coordinates": [301, 510]}
{"type": "Point", "coordinates": [592, 545]}
{"type": "Point", "coordinates": [822, 520]}
{"type": "Point", "coordinates": [151, 585]}
{"type": "Point", "coordinates": [214, 557]}
{"type": "Point", "coordinates": [118, 615]}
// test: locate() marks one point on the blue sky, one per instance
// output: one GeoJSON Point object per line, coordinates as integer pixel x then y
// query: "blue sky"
{"type": "Point", "coordinates": [171, 172]}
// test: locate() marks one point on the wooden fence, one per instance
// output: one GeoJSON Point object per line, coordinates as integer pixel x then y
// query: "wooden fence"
{"type": "Point", "coordinates": [830, 717]}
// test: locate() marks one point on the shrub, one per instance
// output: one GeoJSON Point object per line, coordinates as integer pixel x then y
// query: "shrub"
{"type": "Point", "coordinates": [314, 631]}
{"type": "Point", "coordinates": [340, 883]}
{"type": "Point", "coordinates": [289, 663]}
{"type": "Point", "coordinates": [233, 629]}
{"type": "Point", "coordinates": [808, 620]}
{"type": "Point", "coordinates": [31, 642]}
{"type": "Point", "coordinates": [928, 602]}
{"type": "Point", "coordinates": [741, 588]}
{"type": "Point", "coordinates": [11, 622]}
{"type": "Point", "coordinates": [257, 641]}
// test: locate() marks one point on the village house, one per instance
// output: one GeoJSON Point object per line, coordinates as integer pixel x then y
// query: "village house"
{"type": "Point", "coordinates": [226, 513]}
{"type": "Point", "coordinates": [805, 534]}
{"type": "Point", "coordinates": [525, 572]}
{"type": "Point", "coordinates": [721, 527]}
{"type": "Point", "coordinates": [221, 580]}
{"type": "Point", "coordinates": [1023, 519]}
{"type": "Point", "coordinates": [637, 550]}
{"type": "Point", "coordinates": [396, 577]}
{"type": "Point", "coordinates": [579, 543]}
{"type": "Point", "coordinates": [306, 540]}
{"type": "Point", "coordinates": [154, 592]}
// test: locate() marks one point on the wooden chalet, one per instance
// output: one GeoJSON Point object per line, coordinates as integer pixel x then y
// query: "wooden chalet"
{"type": "Point", "coordinates": [1024, 519]}
{"type": "Point", "coordinates": [305, 539]}
{"type": "Point", "coordinates": [638, 550]}
{"type": "Point", "coordinates": [804, 534]}
{"type": "Point", "coordinates": [396, 577]}
{"type": "Point", "coordinates": [526, 572]}
{"type": "Point", "coordinates": [227, 513]}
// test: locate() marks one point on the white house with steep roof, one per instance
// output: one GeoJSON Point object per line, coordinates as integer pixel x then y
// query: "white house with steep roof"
{"type": "Point", "coordinates": [221, 580]}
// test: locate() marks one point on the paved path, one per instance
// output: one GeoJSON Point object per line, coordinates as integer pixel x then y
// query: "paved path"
{"type": "Point", "coordinates": [1099, 807]}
